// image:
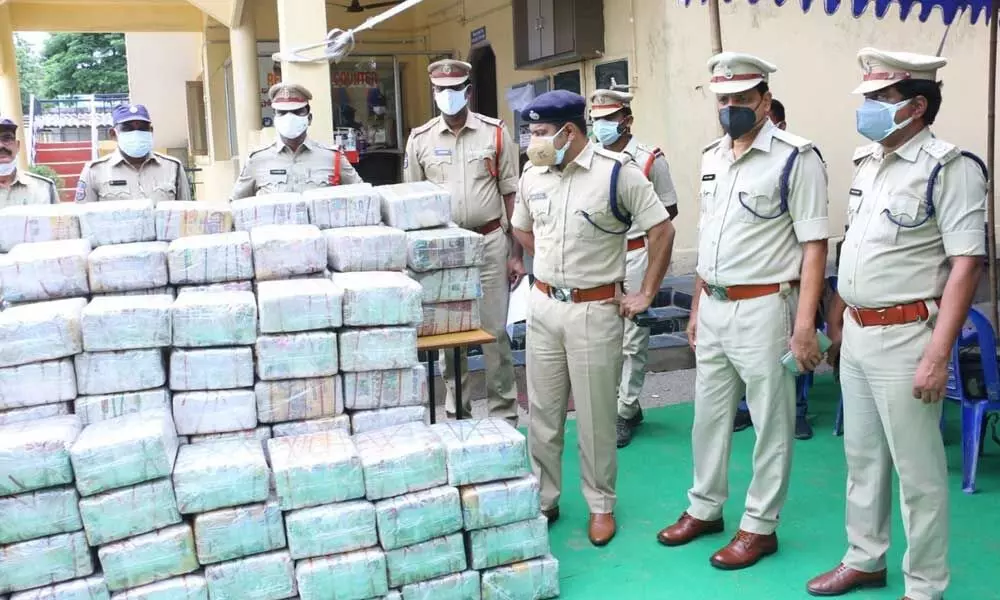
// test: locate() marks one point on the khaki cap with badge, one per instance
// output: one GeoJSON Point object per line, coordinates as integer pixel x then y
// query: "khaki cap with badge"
{"type": "Point", "coordinates": [882, 69]}
{"type": "Point", "coordinates": [288, 96]}
{"type": "Point", "coordinates": [608, 102]}
{"type": "Point", "coordinates": [735, 72]}
{"type": "Point", "coordinates": [449, 72]}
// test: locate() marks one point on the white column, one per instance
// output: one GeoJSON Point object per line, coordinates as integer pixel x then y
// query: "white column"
{"type": "Point", "coordinates": [246, 81]}
{"type": "Point", "coordinates": [10, 89]}
{"type": "Point", "coordinates": [301, 23]}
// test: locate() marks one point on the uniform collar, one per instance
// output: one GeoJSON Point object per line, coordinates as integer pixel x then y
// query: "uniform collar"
{"type": "Point", "coordinates": [911, 149]}
{"type": "Point", "coordinates": [632, 147]}
{"type": "Point", "coordinates": [762, 142]}
{"type": "Point", "coordinates": [470, 123]}
{"type": "Point", "coordinates": [308, 144]}
{"type": "Point", "coordinates": [20, 177]}
{"type": "Point", "coordinates": [118, 158]}
{"type": "Point", "coordinates": [583, 160]}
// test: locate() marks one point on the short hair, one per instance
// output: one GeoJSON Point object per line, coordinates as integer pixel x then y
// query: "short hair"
{"type": "Point", "coordinates": [580, 122]}
{"type": "Point", "coordinates": [778, 109]}
{"type": "Point", "coordinates": [762, 88]}
{"type": "Point", "coordinates": [931, 90]}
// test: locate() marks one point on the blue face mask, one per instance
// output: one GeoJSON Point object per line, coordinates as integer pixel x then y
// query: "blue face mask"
{"type": "Point", "coordinates": [137, 144]}
{"type": "Point", "coordinates": [877, 120]}
{"type": "Point", "coordinates": [606, 132]}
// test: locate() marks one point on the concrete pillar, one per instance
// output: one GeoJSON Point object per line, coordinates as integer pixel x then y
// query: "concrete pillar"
{"type": "Point", "coordinates": [301, 23]}
{"type": "Point", "coordinates": [10, 89]}
{"type": "Point", "coordinates": [246, 80]}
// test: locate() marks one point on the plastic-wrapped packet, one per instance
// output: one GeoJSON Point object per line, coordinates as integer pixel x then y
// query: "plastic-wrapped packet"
{"type": "Point", "coordinates": [219, 475]}
{"type": "Point", "coordinates": [231, 533]}
{"type": "Point", "coordinates": [215, 258]}
{"type": "Point", "coordinates": [45, 271]}
{"type": "Point", "coordinates": [314, 469]}
{"type": "Point", "coordinates": [371, 248]}
{"type": "Point", "coordinates": [385, 389]}
{"type": "Point", "coordinates": [229, 286]}
{"type": "Point", "coordinates": [443, 248]}
{"type": "Point", "coordinates": [35, 455]}
{"type": "Point", "coordinates": [450, 317]}
{"type": "Point", "coordinates": [263, 577]}
{"type": "Point", "coordinates": [148, 558]}
{"type": "Point", "coordinates": [481, 450]}
{"type": "Point", "coordinates": [128, 512]}
{"type": "Point", "coordinates": [363, 421]}
{"type": "Point", "coordinates": [91, 588]}
{"type": "Point", "coordinates": [260, 434]}
{"type": "Point", "coordinates": [36, 413]}
{"type": "Point", "coordinates": [217, 411]}
{"type": "Point", "coordinates": [211, 369]}
{"type": "Point", "coordinates": [379, 298]}
{"type": "Point", "coordinates": [120, 222]}
{"type": "Point", "coordinates": [460, 586]}
{"type": "Point", "coordinates": [37, 383]}
{"type": "Point", "coordinates": [400, 460]}
{"type": "Point", "coordinates": [92, 409]}
{"type": "Point", "coordinates": [119, 371]}
{"type": "Point", "coordinates": [187, 587]}
{"type": "Point", "coordinates": [497, 546]}
{"type": "Point", "coordinates": [182, 219]}
{"type": "Point", "coordinates": [343, 206]}
{"type": "Point", "coordinates": [418, 517]}
{"type": "Point", "coordinates": [298, 399]}
{"type": "Point", "coordinates": [331, 529]}
{"type": "Point", "coordinates": [160, 291]}
{"type": "Point", "coordinates": [203, 319]}
{"type": "Point", "coordinates": [41, 331]}
{"type": "Point", "coordinates": [449, 285]}
{"type": "Point", "coordinates": [124, 451]}
{"type": "Point", "coordinates": [297, 355]}
{"type": "Point", "coordinates": [124, 267]}
{"type": "Point", "coordinates": [127, 323]}
{"type": "Point", "coordinates": [289, 306]}
{"type": "Point", "coordinates": [416, 205]}
{"type": "Point", "coordinates": [392, 595]}
{"type": "Point", "coordinates": [39, 514]}
{"type": "Point", "coordinates": [45, 561]}
{"type": "Point", "coordinates": [426, 560]}
{"type": "Point", "coordinates": [38, 223]}
{"type": "Point", "coordinates": [536, 579]}
{"type": "Point", "coordinates": [355, 576]}
{"type": "Point", "coordinates": [282, 251]}
{"type": "Point", "coordinates": [377, 348]}
{"type": "Point", "coordinates": [500, 502]}
{"type": "Point", "coordinates": [284, 208]}
{"type": "Point", "coordinates": [338, 423]}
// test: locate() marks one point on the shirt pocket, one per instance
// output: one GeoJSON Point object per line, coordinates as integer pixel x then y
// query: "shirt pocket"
{"type": "Point", "coordinates": [854, 202]}
{"type": "Point", "coordinates": [480, 162]}
{"type": "Point", "coordinates": [595, 220]}
{"type": "Point", "coordinates": [164, 192]}
{"type": "Point", "coordinates": [438, 169]}
{"type": "Point", "coordinates": [706, 202]}
{"type": "Point", "coordinates": [758, 204]}
{"type": "Point", "coordinates": [903, 213]}
{"type": "Point", "coordinates": [272, 182]}
{"type": "Point", "coordinates": [106, 191]}
{"type": "Point", "coordinates": [320, 177]}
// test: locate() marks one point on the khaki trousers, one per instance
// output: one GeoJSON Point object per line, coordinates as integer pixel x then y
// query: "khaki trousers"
{"type": "Point", "coordinates": [573, 347]}
{"type": "Point", "coordinates": [636, 344]}
{"type": "Point", "coordinates": [884, 425]}
{"type": "Point", "coordinates": [740, 345]}
{"type": "Point", "coordinates": [501, 388]}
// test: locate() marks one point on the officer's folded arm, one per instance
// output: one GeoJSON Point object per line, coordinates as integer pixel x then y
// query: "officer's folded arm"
{"type": "Point", "coordinates": [648, 212]}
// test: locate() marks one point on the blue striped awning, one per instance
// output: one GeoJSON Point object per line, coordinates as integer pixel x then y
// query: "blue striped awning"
{"type": "Point", "coordinates": [923, 9]}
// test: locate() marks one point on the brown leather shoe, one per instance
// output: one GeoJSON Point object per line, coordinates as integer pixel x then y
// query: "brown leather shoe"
{"type": "Point", "coordinates": [687, 529]}
{"type": "Point", "coordinates": [844, 579]}
{"type": "Point", "coordinates": [745, 550]}
{"type": "Point", "coordinates": [602, 528]}
{"type": "Point", "coordinates": [552, 514]}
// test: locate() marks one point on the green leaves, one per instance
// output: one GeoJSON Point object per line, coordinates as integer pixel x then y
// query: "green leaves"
{"type": "Point", "coordinates": [83, 63]}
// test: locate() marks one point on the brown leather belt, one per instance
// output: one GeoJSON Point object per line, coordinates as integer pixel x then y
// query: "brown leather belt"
{"type": "Point", "coordinates": [901, 314]}
{"type": "Point", "coordinates": [597, 294]}
{"type": "Point", "coordinates": [488, 228]}
{"type": "Point", "coordinates": [734, 293]}
{"type": "Point", "coordinates": [636, 244]}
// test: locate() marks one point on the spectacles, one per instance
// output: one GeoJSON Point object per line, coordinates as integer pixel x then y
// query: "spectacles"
{"type": "Point", "coordinates": [8, 138]}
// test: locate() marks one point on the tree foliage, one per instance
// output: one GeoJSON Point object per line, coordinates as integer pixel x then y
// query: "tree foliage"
{"type": "Point", "coordinates": [83, 63]}
{"type": "Point", "coordinates": [29, 69]}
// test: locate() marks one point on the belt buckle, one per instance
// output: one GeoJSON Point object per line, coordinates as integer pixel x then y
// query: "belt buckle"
{"type": "Point", "coordinates": [562, 294]}
{"type": "Point", "coordinates": [718, 292]}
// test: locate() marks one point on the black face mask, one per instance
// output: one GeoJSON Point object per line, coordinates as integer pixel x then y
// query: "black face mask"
{"type": "Point", "coordinates": [737, 121]}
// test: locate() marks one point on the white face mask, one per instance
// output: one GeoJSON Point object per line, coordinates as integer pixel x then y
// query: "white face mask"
{"type": "Point", "coordinates": [136, 144]}
{"type": "Point", "coordinates": [451, 102]}
{"type": "Point", "coordinates": [290, 125]}
{"type": "Point", "coordinates": [8, 168]}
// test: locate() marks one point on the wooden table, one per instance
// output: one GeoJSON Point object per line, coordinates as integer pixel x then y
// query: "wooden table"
{"type": "Point", "coordinates": [456, 341]}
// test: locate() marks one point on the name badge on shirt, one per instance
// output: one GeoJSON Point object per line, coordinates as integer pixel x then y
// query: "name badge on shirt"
{"type": "Point", "coordinates": [538, 196]}
{"type": "Point", "coordinates": [442, 152]}
{"type": "Point", "coordinates": [709, 177]}
{"type": "Point", "coordinates": [855, 192]}
{"type": "Point", "coordinates": [118, 182]}
{"type": "Point", "coordinates": [279, 172]}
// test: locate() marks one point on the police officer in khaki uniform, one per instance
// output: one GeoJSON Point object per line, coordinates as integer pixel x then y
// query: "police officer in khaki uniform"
{"type": "Point", "coordinates": [909, 266]}
{"type": "Point", "coordinates": [761, 264]}
{"type": "Point", "coordinates": [474, 157]}
{"type": "Point", "coordinates": [564, 217]}
{"type": "Point", "coordinates": [19, 187]}
{"type": "Point", "coordinates": [294, 162]}
{"type": "Point", "coordinates": [611, 112]}
{"type": "Point", "coordinates": [133, 171]}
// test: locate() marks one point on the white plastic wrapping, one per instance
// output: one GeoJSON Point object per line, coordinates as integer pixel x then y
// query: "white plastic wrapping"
{"type": "Point", "coordinates": [379, 298]}
{"type": "Point", "coordinates": [124, 451]}
{"type": "Point", "coordinates": [37, 384]}
{"type": "Point", "coordinates": [417, 205]}
{"type": "Point", "coordinates": [124, 267]}
{"type": "Point", "coordinates": [92, 409]}
{"type": "Point", "coordinates": [45, 561]}
{"type": "Point", "coordinates": [281, 251]}
{"type": "Point", "coordinates": [230, 286]}
{"type": "Point", "coordinates": [372, 248]}
{"type": "Point", "coordinates": [119, 371]}
{"type": "Point", "coordinates": [352, 576]}
{"type": "Point", "coordinates": [370, 420]}
{"type": "Point", "coordinates": [449, 285]}
{"type": "Point", "coordinates": [220, 474]}
{"type": "Point", "coordinates": [418, 517]}
{"type": "Point", "coordinates": [297, 355]}
{"type": "Point", "coordinates": [450, 317]}
{"type": "Point", "coordinates": [35, 413]}
{"type": "Point", "coordinates": [426, 560]}
{"type": "Point", "coordinates": [182, 219]}
{"type": "Point", "coordinates": [536, 579]}
{"type": "Point", "coordinates": [232, 533]}
{"type": "Point", "coordinates": [314, 469]}
{"type": "Point", "coordinates": [443, 248]}
{"type": "Point", "coordinates": [378, 348]}
{"type": "Point", "coordinates": [460, 586]}
{"type": "Point", "coordinates": [331, 529]}
{"type": "Point", "coordinates": [160, 291]}
{"type": "Point", "coordinates": [35, 455]}
{"type": "Point", "coordinates": [45, 271]}
{"type": "Point", "coordinates": [385, 389]}
{"type": "Point", "coordinates": [202, 319]}
{"type": "Point", "coordinates": [148, 558]}
{"type": "Point", "coordinates": [260, 434]}
{"type": "Point", "coordinates": [298, 399]}
{"type": "Point", "coordinates": [285, 208]}
{"type": "Point", "coordinates": [506, 544]}
{"type": "Point", "coordinates": [399, 460]}
{"type": "Point", "coordinates": [39, 514]}
{"type": "Point", "coordinates": [216, 258]}
{"type": "Point", "coordinates": [188, 587]}
{"type": "Point", "coordinates": [38, 223]}
{"type": "Point", "coordinates": [211, 369]}
{"type": "Point", "coordinates": [41, 331]}
{"type": "Point", "coordinates": [121, 222]}
{"type": "Point", "coordinates": [289, 306]}
{"type": "Point", "coordinates": [500, 502]}
{"type": "Point", "coordinates": [128, 512]}
{"type": "Point", "coordinates": [338, 423]}
{"type": "Point", "coordinates": [91, 588]}
{"type": "Point", "coordinates": [263, 577]}
{"type": "Point", "coordinates": [481, 450]}
{"type": "Point", "coordinates": [218, 411]}
{"type": "Point", "coordinates": [126, 323]}
{"type": "Point", "coordinates": [343, 206]}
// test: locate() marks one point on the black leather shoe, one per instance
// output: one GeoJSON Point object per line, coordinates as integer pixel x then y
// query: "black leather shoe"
{"type": "Point", "coordinates": [803, 430]}
{"type": "Point", "coordinates": [625, 428]}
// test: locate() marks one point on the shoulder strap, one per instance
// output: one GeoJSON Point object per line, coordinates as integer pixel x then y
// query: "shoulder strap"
{"type": "Point", "coordinates": [335, 178]}
{"type": "Point", "coordinates": [784, 188]}
{"type": "Point", "coordinates": [648, 167]}
{"type": "Point", "coordinates": [613, 194]}
{"type": "Point", "coordinates": [493, 167]}
{"type": "Point", "coordinates": [937, 169]}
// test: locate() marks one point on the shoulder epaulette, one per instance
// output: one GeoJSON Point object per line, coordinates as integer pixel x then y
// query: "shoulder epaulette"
{"type": "Point", "coordinates": [424, 128]}
{"type": "Point", "coordinates": [711, 146]}
{"type": "Point", "coordinates": [259, 150]}
{"type": "Point", "coordinates": [490, 120]}
{"type": "Point", "coordinates": [101, 159]}
{"type": "Point", "coordinates": [941, 150]}
{"type": "Point", "coordinates": [793, 140]}
{"type": "Point", "coordinates": [622, 157]}
{"type": "Point", "coordinates": [167, 157]}
{"type": "Point", "coordinates": [864, 152]}
{"type": "Point", "coordinates": [39, 177]}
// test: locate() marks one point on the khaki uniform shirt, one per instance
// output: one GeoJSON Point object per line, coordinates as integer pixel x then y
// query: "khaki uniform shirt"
{"type": "Point", "coordinates": [276, 168]}
{"type": "Point", "coordinates": [461, 163]}
{"type": "Point", "coordinates": [738, 247]}
{"type": "Point", "coordinates": [884, 264]}
{"type": "Point", "coordinates": [28, 188]}
{"type": "Point", "coordinates": [569, 251]}
{"type": "Point", "coordinates": [112, 177]}
{"type": "Point", "coordinates": [659, 174]}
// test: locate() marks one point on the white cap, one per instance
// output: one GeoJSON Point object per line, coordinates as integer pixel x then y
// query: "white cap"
{"type": "Point", "coordinates": [734, 72]}
{"type": "Point", "coordinates": [881, 69]}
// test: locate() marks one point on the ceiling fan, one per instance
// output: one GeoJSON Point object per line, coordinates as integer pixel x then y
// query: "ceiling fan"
{"type": "Point", "coordinates": [355, 6]}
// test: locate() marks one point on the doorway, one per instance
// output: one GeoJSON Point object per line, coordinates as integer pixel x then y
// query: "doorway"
{"type": "Point", "coordinates": [484, 81]}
